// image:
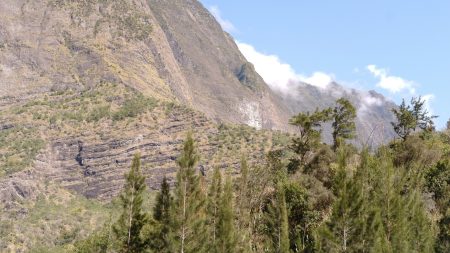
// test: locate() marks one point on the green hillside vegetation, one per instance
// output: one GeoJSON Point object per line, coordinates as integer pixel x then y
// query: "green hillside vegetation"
{"type": "Point", "coordinates": [393, 199]}
{"type": "Point", "coordinates": [111, 111]}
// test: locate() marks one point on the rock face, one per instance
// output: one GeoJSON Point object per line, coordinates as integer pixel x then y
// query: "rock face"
{"type": "Point", "coordinates": [168, 49]}
{"type": "Point", "coordinates": [96, 169]}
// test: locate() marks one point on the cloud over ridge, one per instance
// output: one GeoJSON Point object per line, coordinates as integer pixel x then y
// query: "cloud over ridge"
{"type": "Point", "coordinates": [278, 75]}
{"type": "Point", "coordinates": [393, 84]}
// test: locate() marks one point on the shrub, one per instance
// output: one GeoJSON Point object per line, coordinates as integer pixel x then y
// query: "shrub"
{"type": "Point", "coordinates": [134, 106]}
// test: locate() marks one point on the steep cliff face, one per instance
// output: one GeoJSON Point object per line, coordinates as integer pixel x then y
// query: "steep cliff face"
{"type": "Point", "coordinates": [167, 49]}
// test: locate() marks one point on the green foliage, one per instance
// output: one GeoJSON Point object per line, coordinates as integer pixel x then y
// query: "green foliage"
{"type": "Point", "coordinates": [309, 136]}
{"type": "Point", "coordinates": [277, 224]}
{"type": "Point", "coordinates": [303, 219]}
{"type": "Point", "coordinates": [342, 233]}
{"type": "Point", "coordinates": [97, 113]}
{"type": "Point", "coordinates": [18, 148]}
{"type": "Point", "coordinates": [189, 204]}
{"type": "Point", "coordinates": [443, 240]}
{"type": "Point", "coordinates": [319, 166]}
{"type": "Point", "coordinates": [162, 236]}
{"type": "Point", "coordinates": [344, 201]}
{"type": "Point", "coordinates": [128, 228]}
{"type": "Point", "coordinates": [438, 183]}
{"type": "Point", "coordinates": [344, 114]}
{"type": "Point", "coordinates": [213, 208]}
{"type": "Point", "coordinates": [412, 117]}
{"type": "Point", "coordinates": [244, 208]}
{"type": "Point", "coordinates": [53, 222]}
{"type": "Point", "coordinates": [98, 242]}
{"type": "Point", "coordinates": [134, 106]}
{"type": "Point", "coordinates": [414, 152]}
{"type": "Point", "coordinates": [226, 232]}
{"type": "Point", "coordinates": [375, 211]}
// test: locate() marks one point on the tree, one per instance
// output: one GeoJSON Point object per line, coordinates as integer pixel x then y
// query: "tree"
{"type": "Point", "coordinates": [302, 220]}
{"type": "Point", "coordinates": [412, 117]}
{"type": "Point", "coordinates": [189, 205]}
{"type": "Point", "coordinates": [243, 208]}
{"type": "Point", "coordinates": [344, 114]}
{"type": "Point", "coordinates": [226, 233]}
{"type": "Point", "coordinates": [342, 233]}
{"type": "Point", "coordinates": [128, 228]}
{"type": "Point", "coordinates": [448, 124]}
{"type": "Point", "coordinates": [406, 225]}
{"type": "Point", "coordinates": [309, 135]}
{"type": "Point", "coordinates": [214, 201]}
{"type": "Point", "coordinates": [98, 242]}
{"type": "Point", "coordinates": [162, 237]}
{"type": "Point", "coordinates": [277, 221]}
{"type": "Point", "coordinates": [438, 183]}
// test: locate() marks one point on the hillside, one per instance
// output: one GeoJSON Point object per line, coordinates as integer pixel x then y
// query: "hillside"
{"type": "Point", "coordinates": [86, 84]}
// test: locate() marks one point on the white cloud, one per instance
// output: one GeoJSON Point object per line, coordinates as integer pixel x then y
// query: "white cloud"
{"type": "Point", "coordinates": [393, 84]}
{"type": "Point", "coordinates": [226, 24]}
{"type": "Point", "coordinates": [319, 79]}
{"type": "Point", "coordinates": [279, 75]}
{"type": "Point", "coordinates": [428, 101]}
{"type": "Point", "coordinates": [367, 103]}
{"type": "Point", "coordinates": [372, 101]}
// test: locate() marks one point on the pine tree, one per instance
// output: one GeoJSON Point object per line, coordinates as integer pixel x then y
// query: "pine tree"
{"type": "Point", "coordinates": [128, 228]}
{"type": "Point", "coordinates": [284, 224]}
{"type": "Point", "coordinates": [344, 115]}
{"type": "Point", "coordinates": [277, 221]}
{"type": "Point", "coordinates": [344, 232]}
{"type": "Point", "coordinates": [302, 220]}
{"type": "Point", "coordinates": [226, 235]}
{"type": "Point", "coordinates": [214, 200]}
{"type": "Point", "coordinates": [189, 205]}
{"type": "Point", "coordinates": [243, 208]}
{"type": "Point", "coordinates": [162, 237]}
{"type": "Point", "coordinates": [407, 227]}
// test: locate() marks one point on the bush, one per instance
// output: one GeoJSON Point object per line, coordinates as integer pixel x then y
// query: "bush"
{"type": "Point", "coordinates": [20, 147]}
{"type": "Point", "coordinates": [99, 113]}
{"type": "Point", "coordinates": [134, 107]}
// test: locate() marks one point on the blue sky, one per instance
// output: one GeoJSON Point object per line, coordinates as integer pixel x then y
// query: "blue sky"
{"type": "Point", "coordinates": [399, 48]}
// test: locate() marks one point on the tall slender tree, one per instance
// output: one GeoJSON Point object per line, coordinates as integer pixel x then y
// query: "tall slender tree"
{"type": "Point", "coordinates": [162, 237]}
{"type": "Point", "coordinates": [214, 201]}
{"type": "Point", "coordinates": [189, 203]}
{"type": "Point", "coordinates": [277, 221]}
{"type": "Point", "coordinates": [226, 232]}
{"type": "Point", "coordinates": [128, 228]}
{"type": "Point", "coordinates": [243, 208]}
{"type": "Point", "coordinates": [343, 232]}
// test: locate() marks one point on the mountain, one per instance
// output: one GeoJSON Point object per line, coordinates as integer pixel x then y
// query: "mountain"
{"type": "Point", "coordinates": [86, 84]}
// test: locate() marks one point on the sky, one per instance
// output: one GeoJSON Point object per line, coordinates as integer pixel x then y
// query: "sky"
{"type": "Point", "coordinates": [399, 48]}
